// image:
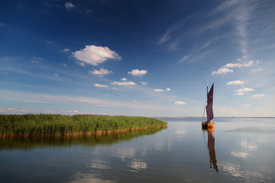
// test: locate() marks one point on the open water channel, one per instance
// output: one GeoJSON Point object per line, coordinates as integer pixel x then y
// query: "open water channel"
{"type": "Point", "coordinates": [238, 150]}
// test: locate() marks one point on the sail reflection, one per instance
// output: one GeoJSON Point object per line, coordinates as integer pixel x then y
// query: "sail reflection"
{"type": "Point", "coordinates": [211, 149]}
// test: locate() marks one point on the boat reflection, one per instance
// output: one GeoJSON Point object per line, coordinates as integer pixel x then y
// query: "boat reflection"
{"type": "Point", "coordinates": [211, 149]}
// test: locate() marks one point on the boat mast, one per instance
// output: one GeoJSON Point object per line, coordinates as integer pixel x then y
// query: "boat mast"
{"type": "Point", "coordinates": [207, 89]}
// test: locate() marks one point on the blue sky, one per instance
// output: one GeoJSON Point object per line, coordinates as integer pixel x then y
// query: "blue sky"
{"type": "Point", "coordinates": [145, 58]}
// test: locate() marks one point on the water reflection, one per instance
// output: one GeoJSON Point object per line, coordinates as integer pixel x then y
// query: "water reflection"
{"type": "Point", "coordinates": [211, 149]}
{"type": "Point", "coordinates": [29, 143]}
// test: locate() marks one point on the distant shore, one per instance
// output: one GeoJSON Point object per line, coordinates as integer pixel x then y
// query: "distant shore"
{"type": "Point", "coordinates": [64, 125]}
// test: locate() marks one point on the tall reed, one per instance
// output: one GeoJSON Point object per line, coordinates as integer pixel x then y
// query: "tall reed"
{"type": "Point", "coordinates": [52, 124]}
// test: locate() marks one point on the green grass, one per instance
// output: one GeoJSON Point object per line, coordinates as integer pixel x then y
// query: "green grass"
{"type": "Point", "coordinates": [52, 124]}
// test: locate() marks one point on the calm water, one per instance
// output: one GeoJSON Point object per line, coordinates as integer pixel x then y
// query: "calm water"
{"type": "Point", "coordinates": [238, 150]}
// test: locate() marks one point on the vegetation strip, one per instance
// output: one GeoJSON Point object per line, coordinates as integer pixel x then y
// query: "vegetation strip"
{"type": "Point", "coordinates": [55, 124]}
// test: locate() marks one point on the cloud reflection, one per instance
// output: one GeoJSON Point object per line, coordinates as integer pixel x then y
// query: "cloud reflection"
{"type": "Point", "coordinates": [99, 164]}
{"type": "Point", "coordinates": [87, 178]}
{"type": "Point", "coordinates": [137, 166]}
{"type": "Point", "coordinates": [239, 154]}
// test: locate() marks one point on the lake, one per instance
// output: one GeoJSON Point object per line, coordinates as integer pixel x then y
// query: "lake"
{"type": "Point", "coordinates": [237, 150]}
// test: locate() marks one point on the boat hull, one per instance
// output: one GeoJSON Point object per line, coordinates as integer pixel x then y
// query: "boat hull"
{"type": "Point", "coordinates": [207, 125]}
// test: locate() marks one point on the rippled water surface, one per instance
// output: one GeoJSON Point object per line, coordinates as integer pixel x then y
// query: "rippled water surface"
{"type": "Point", "coordinates": [238, 150]}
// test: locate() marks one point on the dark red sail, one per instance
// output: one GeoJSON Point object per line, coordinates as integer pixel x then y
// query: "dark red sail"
{"type": "Point", "coordinates": [209, 107]}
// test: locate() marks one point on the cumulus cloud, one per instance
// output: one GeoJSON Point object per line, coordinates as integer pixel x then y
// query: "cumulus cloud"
{"type": "Point", "coordinates": [136, 72]}
{"type": "Point", "coordinates": [94, 55]}
{"type": "Point", "coordinates": [237, 82]}
{"type": "Point", "coordinates": [143, 83]}
{"type": "Point", "coordinates": [179, 103]}
{"type": "Point", "coordinates": [69, 6]}
{"type": "Point", "coordinates": [158, 90]}
{"type": "Point", "coordinates": [11, 109]}
{"type": "Point", "coordinates": [226, 69]}
{"type": "Point", "coordinates": [168, 89]}
{"type": "Point", "coordinates": [222, 70]}
{"type": "Point", "coordinates": [100, 72]}
{"type": "Point", "coordinates": [239, 94]}
{"type": "Point", "coordinates": [244, 90]}
{"type": "Point", "coordinates": [239, 64]}
{"type": "Point", "coordinates": [123, 79]}
{"type": "Point", "coordinates": [100, 85]}
{"type": "Point", "coordinates": [125, 83]}
{"type": "Point", "coordinates": [258, 96]}
{"type": "Point", "coordinates": [65, 50]}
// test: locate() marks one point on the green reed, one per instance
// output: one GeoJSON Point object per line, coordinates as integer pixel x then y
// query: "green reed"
{"type": "Point", "coordinates": [51, 124]}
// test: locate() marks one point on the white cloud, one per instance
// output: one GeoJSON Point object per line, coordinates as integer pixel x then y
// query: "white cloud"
{"type": "Point", "coordinates": [94, 55]}
{"type": "Point", "coordinates": [81, 64]}
{"type": "Point", "coordinates": [11, 109]}
{"type": "Point", "coordinates": [256, 70]}
{"type": "Point", "coordinates": [143, 83]}
{"type": "Point", "coordinates": [184, 58]}
{"type": "Point", "coordinates": [65, 50]}
{"type": "Point", "coordinates": [136, 72]}
{"type": "Point", "coordinates": [258, 96]}
{"type": "Point", "coordinates": [179, 103]}
{"type": "Point", "coordinates": [34, 61]}
{"type": "Point", "coordinates": [168, 89]}
{"type": "Point", "coordinates": [165, 37]}
{"type": "Point", "coordinates": [75, 111]}
{"type": "Point", "coordinates": [100, 72]}
{"type": "Point", "coordinates": [244, 90]}
{"type": "Point", "coordinates": [123, 79]}
{"type": "Point", "coordinates": [239, 94]}
{"type": "Point", "coordinates": [239, 64]}
{"type": "Point", "coordinates": [2, 110]}
{"type": "Point", "coordinates": [237, 82]}
{"type": "Point", "coordinates": [158, 90]}
{"type": "Point", "coordinates": [245, 105]}
{"type": "Point", "coordinates": [226, 69]}
{"type": "Point", "coordinates": [222, 71]}
{"type": "Point", "coordinates": [100, 85]}
{"type": "Point", "coordinates": [69, 6]}
{"type": "Point", "coordinates": [135, 100]}
{"type": "Point", "coordinates": [125, 83]}
{"type": "Point", "coordinates": [65, 65]}
{"type": "Point", "coordinates": [56, 74]}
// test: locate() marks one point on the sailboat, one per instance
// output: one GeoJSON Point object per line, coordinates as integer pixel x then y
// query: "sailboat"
{"type": "Point", "coordinates": [209, 109]}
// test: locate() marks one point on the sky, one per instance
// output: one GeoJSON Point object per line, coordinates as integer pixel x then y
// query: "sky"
{"type": "Point", "coordinates": [137, 57]}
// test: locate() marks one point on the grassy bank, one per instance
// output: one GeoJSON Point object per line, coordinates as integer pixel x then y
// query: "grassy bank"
{"type": "Point", "coordinates": [52, 124]}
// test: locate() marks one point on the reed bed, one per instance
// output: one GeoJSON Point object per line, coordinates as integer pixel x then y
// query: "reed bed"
{"type": "Point", "coordinates": [54, 124]}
